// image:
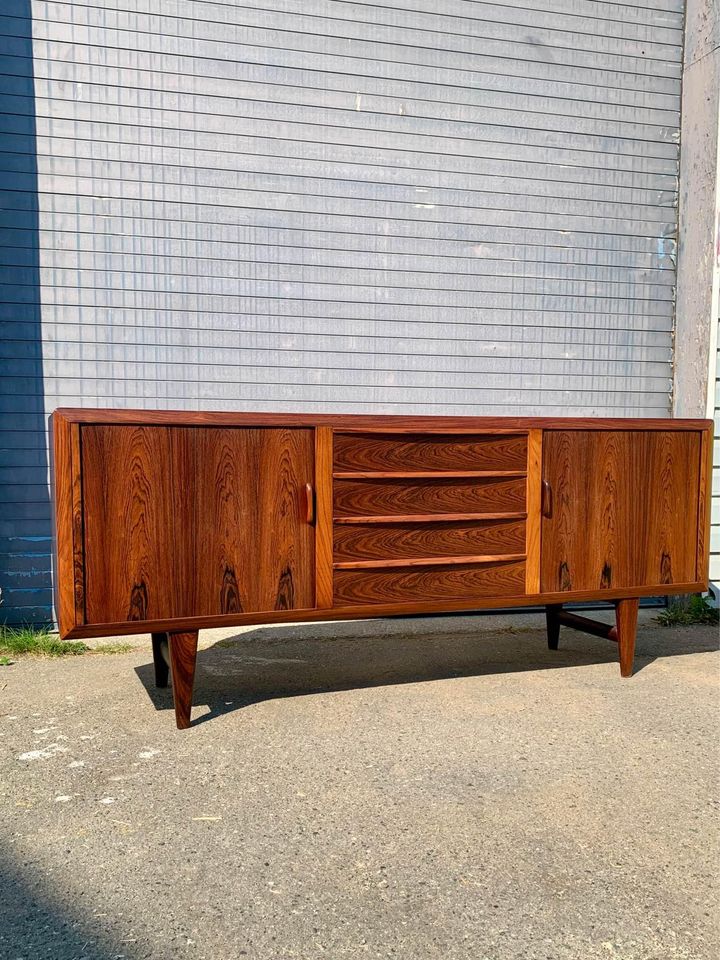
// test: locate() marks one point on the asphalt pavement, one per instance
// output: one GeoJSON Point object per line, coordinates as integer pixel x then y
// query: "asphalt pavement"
{"type": "Point", "coordinates": [427, 788]}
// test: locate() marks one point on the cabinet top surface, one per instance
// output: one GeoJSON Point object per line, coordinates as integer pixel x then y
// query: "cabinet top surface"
{"type": "Point", "coordinates": [364, 421]}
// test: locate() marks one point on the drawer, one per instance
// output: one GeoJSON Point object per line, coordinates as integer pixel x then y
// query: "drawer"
{"type": "Point", "coordinates": [401, 496]}
{"type": "Point", "coordinates": [368, 451]}
{"type": "Point", "coordinates": [384, 541]}
{"type": "Point", "coordinates": [413, 584]}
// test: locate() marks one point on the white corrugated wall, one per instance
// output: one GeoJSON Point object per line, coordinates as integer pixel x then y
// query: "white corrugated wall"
{"type": "Point", "coordinates": [418, 205]}
{"type": "Point", "coordinates": [715, 517]}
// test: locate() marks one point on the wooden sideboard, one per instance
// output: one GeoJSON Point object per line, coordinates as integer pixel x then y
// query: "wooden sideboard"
{"type": "Point", "coordinates": [169, 522]}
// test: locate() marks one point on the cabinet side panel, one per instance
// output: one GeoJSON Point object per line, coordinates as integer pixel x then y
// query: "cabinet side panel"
{"type": "Point", "coordinates": [129, 522]}
{"type": "Point", "coordinates": [63, 513]}
{"type": "Point", "coordinates": [286, 540]}
{"type": "Point", "coordinates": [704, 506]}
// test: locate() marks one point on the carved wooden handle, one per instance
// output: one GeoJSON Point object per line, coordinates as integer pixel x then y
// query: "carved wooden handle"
{"type": "Point", "coordinates": [309, 503]}
{"type": "Point", "coordinates": [546, 500]}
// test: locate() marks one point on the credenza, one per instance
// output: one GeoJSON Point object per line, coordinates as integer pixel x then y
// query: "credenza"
{"type": "Point", "coordinates": [170, 522]}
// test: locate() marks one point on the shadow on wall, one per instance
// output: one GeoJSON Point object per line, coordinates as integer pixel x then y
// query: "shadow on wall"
{"type": "Point", "coordinates": [25, 517]}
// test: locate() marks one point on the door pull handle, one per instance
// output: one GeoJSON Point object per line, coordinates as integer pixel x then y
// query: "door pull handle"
{"type": "Point", "coordinates": [309, 503]}
{"type": "Point", "coordinates": [546, 502]}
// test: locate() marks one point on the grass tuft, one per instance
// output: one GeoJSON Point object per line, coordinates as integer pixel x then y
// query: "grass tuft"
{"type": "Point", "coordinates": [37, 642]}
{"type": "Point", "coordinates": [695, 609]}
{"type": "Point", "coordinates": [112, 648]}
{"type": "Point", "coordinates": [42, 642]}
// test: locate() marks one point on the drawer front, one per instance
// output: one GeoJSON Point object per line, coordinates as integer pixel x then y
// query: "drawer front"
{"type": "Point", "coordinates": [457, 582]}
{"type": "Point", "coordinates": [385, 541]}
{"type": "Point", "coordinates": [428, 517]}
{"type": "Point", "coordinates": [428, 452]}
{"type": "Point", "coordinates": [402, 496]}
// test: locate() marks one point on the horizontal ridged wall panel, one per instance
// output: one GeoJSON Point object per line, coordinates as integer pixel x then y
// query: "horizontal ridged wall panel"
{"type": "Point", "coordinates": [25, 523]}
{"type": "Point", "coordinates": [715, 508]}
{"type": "Point", "coordinates": [451, 207]}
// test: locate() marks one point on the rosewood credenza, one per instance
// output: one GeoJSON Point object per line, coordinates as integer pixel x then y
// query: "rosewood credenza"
{"type": "Point", "coordinates": [171, 522]}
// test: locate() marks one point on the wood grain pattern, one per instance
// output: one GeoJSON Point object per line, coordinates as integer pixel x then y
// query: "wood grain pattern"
{"type": "Point", "coordinates": [418, 518]}
{"type": "Point", "coordinates": [323, 518]}
{"type": "Point", "coordinates": [193, 521]}
{"type": "Point", "coordinates": [129, 522]}
{"type": "Point", "coordinates": [426, 561]}
{"type": "Point", "coordinates": [286, 544]}
{"type": "Point", "coordinates": [378, 541]}
{"type": "Point", "coordinates": [248, 542]}
{"type": "Point", "coordinates": [624, 510]}
{"type": "Point", "coordinates": [400, 497]}
{"type": "Point", "coordinates": [424, 474]}
{"type": "Point", "coordinates": [183, 655]}
{"type": "Point", "coordinates": [358, 452]}
{"type": "Point", "coordinates": [666, 516]}
{"type": "Point", "coordinates": [215, 472]}
{"type": "Point", "coordinates": [351, 611]}
{"type": "Point", "coordinates": [667, 462]}
{"type": "Point", "coordinates": [623, 632]}
{"type": "Point", "coordinates": [63, 513]}
{"type": "Point", "coordinates": [376, 423]}
{"type": "Point", "coordinates": [533, 502]}
{"type": "Point", "coordinates": [77, 525]}
{"type": "Point", "coordinates": [626, 617]}
{"type": "Point", "coordinates": [469, 582]}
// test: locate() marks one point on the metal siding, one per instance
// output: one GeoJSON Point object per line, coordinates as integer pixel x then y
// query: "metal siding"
{"type": "Point", "coordinates": [447, 207]}
{"type": "Point", "coordinates": [25, 534]}
{"type": "Point", "coordinates": [715, 515]}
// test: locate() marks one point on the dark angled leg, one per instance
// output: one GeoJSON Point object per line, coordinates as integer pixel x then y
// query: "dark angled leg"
{"type": "Point", "coordinates": [183, 652]}
{"type": "Point", "coordinates": [160, 658]}
{"type": "Point", "coordinates": [626, 616]}
{"type": "Point", "coordinates": [552, 618]}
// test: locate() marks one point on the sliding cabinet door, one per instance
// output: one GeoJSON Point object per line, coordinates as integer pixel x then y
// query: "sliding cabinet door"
{"type": "Point", "coordinates": [129, 522]}
{"type": "Point", "coordinates": [196, 521]}
{"type": "Point", "coordinates": [250, 545]}
{"type": "Point", "coordinates": [624, 509]}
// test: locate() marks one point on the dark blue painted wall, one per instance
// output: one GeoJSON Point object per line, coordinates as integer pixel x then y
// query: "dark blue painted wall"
{"type": "Point", "coordinates": [25, 520]}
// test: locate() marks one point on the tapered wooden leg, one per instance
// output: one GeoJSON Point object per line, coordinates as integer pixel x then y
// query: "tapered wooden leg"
{"type": "Point", "coordinates": [553, 625]}
{"type": "Point", "coordinates": [626, 616]}
{"type": "Point", "coordinates": [160, 658]}
{"type": "Point", "coordinates": [183, 653]}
